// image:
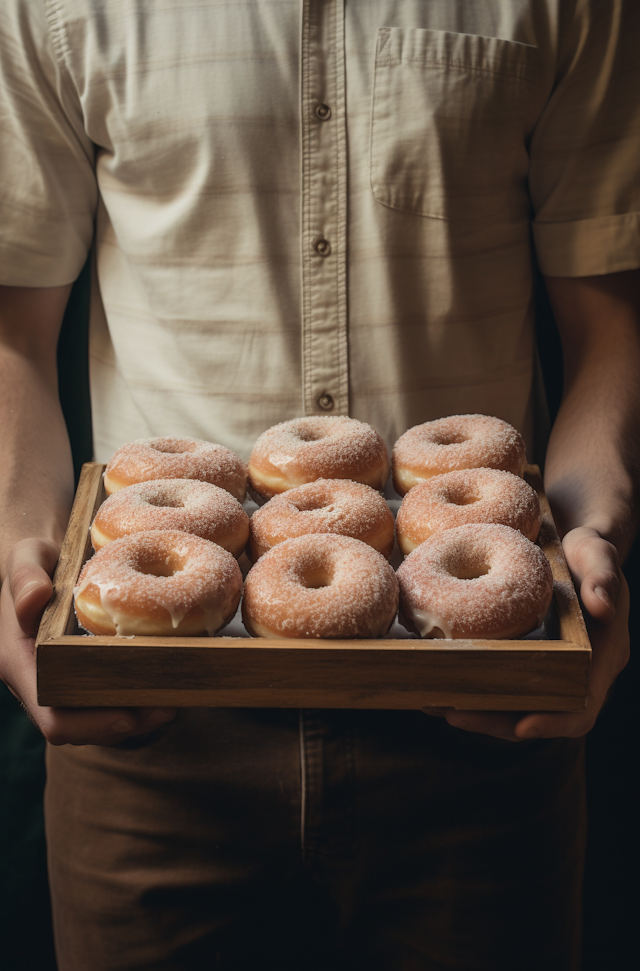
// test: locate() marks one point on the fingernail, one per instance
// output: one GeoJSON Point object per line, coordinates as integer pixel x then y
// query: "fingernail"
{"type": "Point", "coordinates": [461, 724]}
{"type": "Point", "coordinates": [433, 710]}
{"type": "Point", "coordinates": [602, 595]}
{"type": "Point", "coordinates": [119, 727]}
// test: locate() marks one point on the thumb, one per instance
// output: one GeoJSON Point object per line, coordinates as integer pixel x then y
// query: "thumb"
{"type": "Point", "coordinates": [594, 565]}
{"type": "Point", "coordinates": [30, 567]}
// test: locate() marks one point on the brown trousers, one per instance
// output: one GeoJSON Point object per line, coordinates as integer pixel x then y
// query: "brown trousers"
{"type": "Point", "coordinates": [317, 839]}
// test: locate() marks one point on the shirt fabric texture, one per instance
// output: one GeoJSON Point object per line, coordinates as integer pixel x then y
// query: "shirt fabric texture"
{"type": "Point", "coordinates": [314, 207]}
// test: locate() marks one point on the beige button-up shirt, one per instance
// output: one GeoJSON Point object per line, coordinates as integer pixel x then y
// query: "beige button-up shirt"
{"type": "Point", "coordinates": [314, 206]}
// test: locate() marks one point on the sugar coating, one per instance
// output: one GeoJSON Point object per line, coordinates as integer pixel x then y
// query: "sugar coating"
{"type": "Point", "coordinates": [330, 447]}
{"type": "Point", "coordinates": [509, 600]}
{"type": "Point", "coordinates": [326, 506]}
{"type": "Point", "coordinates": [206, 577]}
{"type": "Point", "coordinates": [178, 458]}
{"type": "Point", "coordinates": [468, 496]}
{"type": "Point", "coordinates": [359, 600]}
{"type": "Point", "coordinates": [188, 505]}
{"type": "Point", "coordinates": [460, 442]}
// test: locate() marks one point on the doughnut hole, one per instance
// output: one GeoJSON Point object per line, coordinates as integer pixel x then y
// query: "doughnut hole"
{"type": "Point", "coordinates": [467, 564]}
{"type": "Point", "coordinates": [460, 497]}
{"type": "Point", "coordinates": [174, 447]}
{"type": "Point", "coordinates": [310, 435]}
{"type": "Point", "coordinates": [168, 567]}
{"type": "Point", "coordinates": [316, 578]}
{"type": "Point", "coordinates": [449, 438]}
{"type": "Point", "coordinates": [470, 571]}
{"type": "Point", "coordinates": [164, 502]}
{"type": "Point", "coordinates": [312, 502]}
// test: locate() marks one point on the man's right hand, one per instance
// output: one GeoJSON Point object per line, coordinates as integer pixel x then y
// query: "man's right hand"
{"type": "Point", "coordinates": [25, 593]}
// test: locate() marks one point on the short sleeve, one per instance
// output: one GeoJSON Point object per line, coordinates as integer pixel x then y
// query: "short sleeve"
{"type": "Point", "coordinates": [48, 189]}
{"type": "Point", "coordinates": [584, 177]}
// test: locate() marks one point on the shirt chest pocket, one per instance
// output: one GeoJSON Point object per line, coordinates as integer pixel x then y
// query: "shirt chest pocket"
{"type": "Point", "coordinates": [447, 131]}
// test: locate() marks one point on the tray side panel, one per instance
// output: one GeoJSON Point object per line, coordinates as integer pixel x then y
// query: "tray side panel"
{"type": "Point", "coordinates": [319, 676]}
{"type": "Point", "coordinates": [58, 617]}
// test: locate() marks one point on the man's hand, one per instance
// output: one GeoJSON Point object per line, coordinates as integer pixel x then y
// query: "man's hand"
{"type": "Point", "coordinates": [25, 593]}
{"type": "Point", "coordinates": [591, 479]}
{"type": "Point", "coordinates": [605, 599]}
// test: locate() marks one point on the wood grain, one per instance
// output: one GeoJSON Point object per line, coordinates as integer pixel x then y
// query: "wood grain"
{"type": "Point", "coordinates": [525, 675]}
{"type": "Point", "coordinates": [58, 617]}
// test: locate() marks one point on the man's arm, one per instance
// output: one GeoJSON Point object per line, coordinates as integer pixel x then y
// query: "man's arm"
{"type": "Point", "coordinates": [591, 478]}
{"type": "Point", "coordinates": [36, 490]}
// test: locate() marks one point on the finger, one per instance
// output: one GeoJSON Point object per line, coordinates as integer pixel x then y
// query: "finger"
{"type": "Point", "coordinates": [29, 576]}
{"type": "Point", "coordinates": [98, 726]}
{"type": "Point", "coordinates": [434, 711]}
{"type": "Point", "coordinates": [555, 725]}
{"type": "Point", "coordinates": [594, 565]}
{"type": "Point", "coordinates": [598, 592]}
{"type": "Point", "coordinates": [60, 726]}
{"type": "Point", "coordinates": [499, 724]}
{"type": "Point", "coordinates": [610, 644]}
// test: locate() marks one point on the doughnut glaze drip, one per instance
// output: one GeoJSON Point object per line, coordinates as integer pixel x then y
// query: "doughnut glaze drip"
{"type": "Point", "coordinates": [305, 449]}
{"type": "Point", "coordinates": [176, 458]}
{"type": "Point", "coordinates": [325, 506]}
{"type": "Point", "coordinates": [475, 581]}
{"type": "Point", "coordinates": [158, 583]}
{"type": "Point", "coordinates": [185, 504]}
{"type": "Point", "coordinates": [457, 442]}
{"type": "Point", "coordinates": [467, 496]}
{"type": "Point", "coordinates": [320, 586]}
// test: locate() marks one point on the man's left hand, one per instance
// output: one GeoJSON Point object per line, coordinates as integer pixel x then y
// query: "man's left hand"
{"type": "Point", "coordinates": [604, 593]}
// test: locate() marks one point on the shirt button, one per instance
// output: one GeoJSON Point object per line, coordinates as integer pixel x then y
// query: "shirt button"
{"type": "Point", "coordinates": [322, 246]}
{"type": "Point", "coordinates": [325, 401]}
{"type": "Point", "coordinates": [323, 112]}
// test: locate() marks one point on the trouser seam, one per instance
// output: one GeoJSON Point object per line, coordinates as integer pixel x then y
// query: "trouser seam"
{"type": "Point", "coordinates": [304, 787]}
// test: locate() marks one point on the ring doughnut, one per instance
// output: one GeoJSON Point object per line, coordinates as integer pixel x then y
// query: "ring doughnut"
{"type": "Point", "coordinates": [467, 496]}
{"type": "Point", "coordinates": [320, 586]}
{"type": "Point", "coordinates": [475, 581]}
{"type": "Point", "coordinates": [176, 458]}
{"type": "Point", "coordinates": [158, 583]}
{"type": "Point", "coordinates": [325, 506]}
{"type": "Point", "coordinates": [305, 449]}
{"type": "Point", "coordinates": [188, 505]}
{"type": "Point", "coordinates": [457, 442]}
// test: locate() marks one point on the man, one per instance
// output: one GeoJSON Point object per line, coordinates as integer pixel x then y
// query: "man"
{"type": "Point", "coordinates": [305, 209]}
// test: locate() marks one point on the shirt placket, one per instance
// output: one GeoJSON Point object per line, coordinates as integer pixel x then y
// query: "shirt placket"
{"type": "Point", "coordinates": [324, 212]}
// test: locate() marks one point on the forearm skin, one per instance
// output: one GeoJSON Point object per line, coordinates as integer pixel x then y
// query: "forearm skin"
{"type": "Point", "coordinates": [36, 484]}
{"type": "Point", "coordinates": [591, 469]}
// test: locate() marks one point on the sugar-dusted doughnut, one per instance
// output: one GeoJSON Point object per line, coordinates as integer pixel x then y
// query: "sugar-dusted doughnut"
{"type": "Point", "coordinates": [158, 583]}
{"type": "Point", "coordinates": [467, 496]}
{"type": "Point", "coordinates": [457, 442]}
{"type": "Point", "coordinates": [475, 581]}
{"type": "Point", "coordinates": [325, 506]}
{"type": "Point", "coordinates": [185, 504]}
{"type": "Point", "coordinates": [321, 585]}
{"type": "Point", "coordinates": [305, 449]}
{"type": "Point", "coordinates": [176, 458]}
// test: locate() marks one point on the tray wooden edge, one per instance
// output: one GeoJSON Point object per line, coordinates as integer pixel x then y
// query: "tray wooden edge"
{"type": "Point", "coordinates": [58, 616]}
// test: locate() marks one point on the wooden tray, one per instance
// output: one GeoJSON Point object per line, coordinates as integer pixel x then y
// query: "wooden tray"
{"type": "Point", "coordinates": [77, 670]}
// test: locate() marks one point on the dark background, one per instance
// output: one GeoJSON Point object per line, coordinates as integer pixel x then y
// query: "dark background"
{"type": "Point", "coordinates": [610, 937]}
